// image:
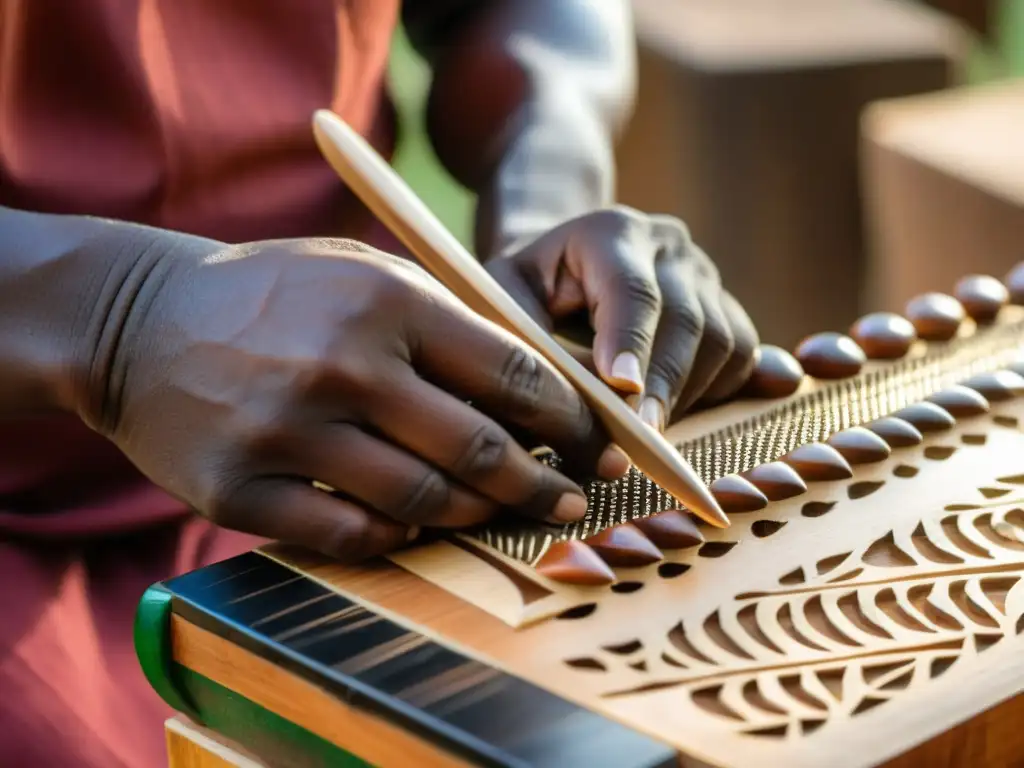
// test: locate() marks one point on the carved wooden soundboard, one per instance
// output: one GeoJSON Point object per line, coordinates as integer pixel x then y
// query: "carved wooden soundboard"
{"type": "Point", "coordinates": [868, 601]}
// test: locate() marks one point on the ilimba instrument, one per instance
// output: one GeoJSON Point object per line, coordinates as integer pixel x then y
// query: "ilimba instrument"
{"type": "Point", "coordinates": [864, 608]}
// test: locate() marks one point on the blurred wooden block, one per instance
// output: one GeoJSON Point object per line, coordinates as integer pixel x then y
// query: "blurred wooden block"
{"type": "Point", "coordinates": [977, 14]}
{"type": "Point", "coordinates": [944, 184]}
{"type": "Point", "coordinates": [746, 127]}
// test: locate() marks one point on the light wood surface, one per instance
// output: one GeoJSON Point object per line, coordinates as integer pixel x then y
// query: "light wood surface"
{"type": "Point", "coordinates": [943, 182]}
{"type": "Point", "coordinates": [741, 35]}
{"type": "Point", "coordinates": [395, 204]}
{"type": "Point", "coordinates": [191, 746]}
{"type": "Point", "coordinates": [846, 627]}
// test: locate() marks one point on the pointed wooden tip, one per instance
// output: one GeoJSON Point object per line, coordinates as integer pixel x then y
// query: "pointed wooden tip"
{"type": "Point", "coordinates": [817, 462]}
{"type": "Point", "coordinates": [896, 432]}
{"type": "Point", "coordinates": [927, 417]}
{"type": "Point", "coordinates": [671, 529]}
{"type": "Point", "coordinates": [776, 480]}
{"type": "Point", "coordinates": [859, 445]}
{"type": "Point", "coordinates": [961, 401]}
{"type": "Point", "coordinates": [737, 494]}
{"type": "Point", "coordinates": [997, 386]}
{"type": "Point", "coordinates": [624, 546]}
{"type": "Point", "coordinates": [573, 562]}
{"type": "Point", "coordinates": [686, 486]}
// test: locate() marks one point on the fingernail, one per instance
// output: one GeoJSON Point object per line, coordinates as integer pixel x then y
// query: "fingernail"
{"type": "Point", "coordinates": [570, 508]}
{"type": "Point", "coordinates": [412, 533]}
{"type": "Point", "coordinates": [613, 464]}
{"type": "Point", "coordinates": [626, 372]}
{"type": "Point", "coordinates": [652, 413]}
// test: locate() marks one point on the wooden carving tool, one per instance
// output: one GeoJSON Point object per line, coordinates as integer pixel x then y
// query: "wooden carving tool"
{"type": "Point", "coordinates": [382, 190]}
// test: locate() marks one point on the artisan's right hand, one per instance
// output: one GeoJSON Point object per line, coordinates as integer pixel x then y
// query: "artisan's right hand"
{"type": "Point", "coordinates": [235, 378]}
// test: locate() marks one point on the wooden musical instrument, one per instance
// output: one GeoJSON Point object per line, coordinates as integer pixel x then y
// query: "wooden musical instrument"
{"type": "Point", "coordinates": [865, 608]}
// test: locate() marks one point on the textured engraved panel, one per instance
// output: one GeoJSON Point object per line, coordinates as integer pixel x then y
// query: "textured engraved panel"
{"type": "Point", "coordinates": [841, 628]}
{"type": "Point", "coordinates": [773, 433]}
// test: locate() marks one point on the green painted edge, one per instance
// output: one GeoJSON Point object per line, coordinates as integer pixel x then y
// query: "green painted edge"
{"type": "Point", "coordinates": [152, 636]}
{"type": "Point", "coordinates": [256, 728]}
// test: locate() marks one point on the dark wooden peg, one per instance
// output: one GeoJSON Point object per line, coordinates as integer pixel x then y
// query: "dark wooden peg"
{"type": "Point", "coordinates": [860, 446]}
{"type": "Point", "coordinates": [927, 417]}
{"type": "Point", "coordinates": [817, 462]}
{"type": "Point", "coordinates": [776, 480]}
{"type": "Point", "coordinates": [736, 494]}
{"type": "Point", "coordinates": [624, 546]}
{"type": "Point", "coordinates": [884, 335]}
{"type": "Point", "coordinates": [896, 432]}
{"type": "Point", "coordinates": [573, 562]}
{"type": "Point", "coordinates": [935, 316]}
{"type": "Point", "coordinates": [776, 374]}
{"type": "Point", "coordinates": [1015, 284]}
{"type": "Point", "coordinates": [671, 529]}
{"type": "Point", "coordinates": [997, 386]}
{"type": "Point", "coordinates": [830, 356]}
{"type": "Point", "coordinates": [961, 401]}
{"type": "Point", "coordinates": [982, 297]}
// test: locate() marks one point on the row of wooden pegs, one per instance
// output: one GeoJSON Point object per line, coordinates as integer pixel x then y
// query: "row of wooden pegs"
{"type": "Point", "coordinates": [932, 317]}
{"type": "Point", "coordinates": [884, 335]}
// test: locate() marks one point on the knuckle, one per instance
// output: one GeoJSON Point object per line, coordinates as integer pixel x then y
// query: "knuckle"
{"type": "Point", "coordinates": [348, 537]}
{"type": "Point", "coordinates": [667, 372]}
{"type": "Point", "coordinates": [429, 496]}
{"type": "Point", "coordinates": [640, 290]}
{"type": "Point", "coordinates": [671, 228]}
{"type": "Point", "coordinates": [635, 337]}
{"type": "Point", "coordinates": [388, 289]}
{"type": "Point", "coordinates": [620, 220]}
{"type": "Point", "coordinates": [352, 373]}
{"type": "Point", "coordinates": [703, 263]}
{"type": "Point", "coordinates": [744, 351]}
{"type": "Point", "coordinates": [687, 318]}
{"type": "Point", "coordinates": [485, 454]}
{"type": "Point", "coordinates": [262, 434]}
{"type": "Point", "coordinates": [718, 337]}
{"type": "Point", "coordinates": [221, 501]}
{"type": "Point", "coordinates": [520, 381]}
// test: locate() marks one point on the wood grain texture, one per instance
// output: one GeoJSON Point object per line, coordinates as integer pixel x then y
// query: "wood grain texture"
{"type": "Point", "coordinates": [300, 702]}
{"type": "Point", "coordinates": [191, 746]}
{"type": "Point", "coordinates": [885, 610]}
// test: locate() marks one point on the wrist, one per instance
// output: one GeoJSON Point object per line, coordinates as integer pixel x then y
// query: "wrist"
{"type": "Point", "coordinates": [64, 283]}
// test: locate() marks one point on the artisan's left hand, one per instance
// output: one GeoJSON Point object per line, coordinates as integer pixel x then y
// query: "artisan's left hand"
{"type": "Point", "coordinates": [663, 325]}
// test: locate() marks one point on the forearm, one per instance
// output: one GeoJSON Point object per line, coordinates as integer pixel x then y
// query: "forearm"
{"type": "Point", "coordinates": [527, 100]}
{"type": "Point", "coordinates": [63, 279]}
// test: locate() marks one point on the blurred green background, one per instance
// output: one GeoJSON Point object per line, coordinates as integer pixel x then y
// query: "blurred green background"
{"type": "Point", "coordinates": [410, 78]}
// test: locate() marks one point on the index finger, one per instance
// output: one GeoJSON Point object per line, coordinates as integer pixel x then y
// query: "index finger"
{"type": "Point", "coordinates": [469, 356]}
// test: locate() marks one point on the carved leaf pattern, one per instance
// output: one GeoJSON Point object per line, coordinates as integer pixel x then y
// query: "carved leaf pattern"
{"type": "Point", "coordinates": [850, 632]}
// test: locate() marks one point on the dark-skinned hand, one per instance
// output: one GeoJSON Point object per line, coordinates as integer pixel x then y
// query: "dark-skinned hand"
{"type": "Point", "coordinates": [663, 327]}
{"type": "Point", "coordinates": [239, 377]}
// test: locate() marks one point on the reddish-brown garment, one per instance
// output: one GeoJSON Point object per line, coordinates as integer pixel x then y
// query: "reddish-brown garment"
{"type": "Point", "coordinates": [186, 114]}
